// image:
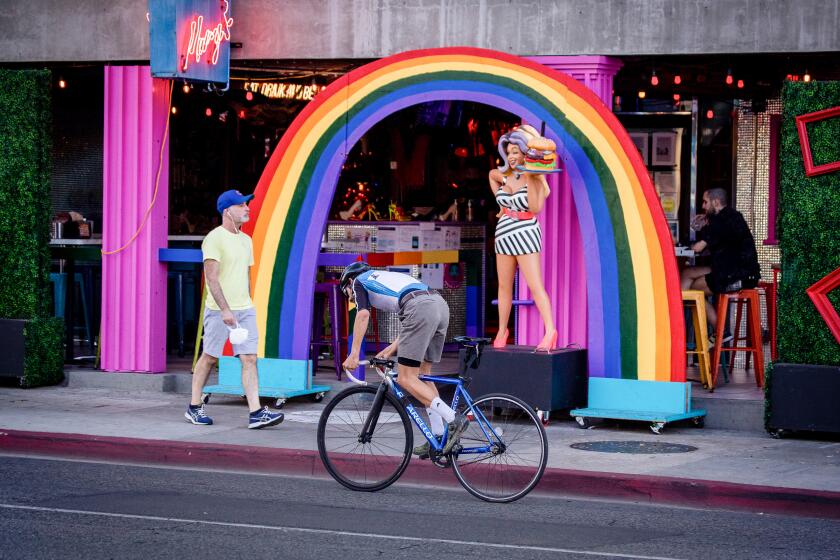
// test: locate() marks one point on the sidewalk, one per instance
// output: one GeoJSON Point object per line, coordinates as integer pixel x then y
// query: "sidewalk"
{"type": "Point", "coordinates": [728, 469]}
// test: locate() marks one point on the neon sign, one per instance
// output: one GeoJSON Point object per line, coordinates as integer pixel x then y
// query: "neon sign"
{"type": "Point", "coordinates": [201, 38]}
{"type": "Point", "coordinates": [280, 90]}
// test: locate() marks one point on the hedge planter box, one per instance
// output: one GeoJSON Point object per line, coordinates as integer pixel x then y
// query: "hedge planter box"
{"type": "Point", "coordinates": [803, 398]}
{"type": "Point", "coordinates": [32, 351]}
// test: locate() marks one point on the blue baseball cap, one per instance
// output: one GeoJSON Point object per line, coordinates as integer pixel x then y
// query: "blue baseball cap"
{"type": "Point", "coordinates": [231, 198]}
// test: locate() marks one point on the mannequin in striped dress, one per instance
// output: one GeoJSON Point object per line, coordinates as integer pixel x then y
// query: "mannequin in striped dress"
{"type": "Point", "coordinates": [518, 242]}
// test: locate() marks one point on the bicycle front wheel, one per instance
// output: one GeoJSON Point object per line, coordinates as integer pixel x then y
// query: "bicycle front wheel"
{"type": "Point", "coordinates": [362, 462]}
{"type": "Point", "coordinates": [502, 454]}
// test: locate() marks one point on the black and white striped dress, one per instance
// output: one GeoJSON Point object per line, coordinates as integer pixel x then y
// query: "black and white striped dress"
{"type": "Point", "coordinates": [516, 237]}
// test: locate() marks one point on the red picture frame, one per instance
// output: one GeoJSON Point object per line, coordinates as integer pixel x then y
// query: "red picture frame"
{"type": "Point", "coordinates": [819, 296]}
{"type": "Point", "coordinates": [802, 123]}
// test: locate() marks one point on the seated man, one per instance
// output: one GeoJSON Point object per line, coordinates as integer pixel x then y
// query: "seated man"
{"type": "Point", "coordinates": [424, 318]}
{"type": "Point", "coordinates": [734, 261]}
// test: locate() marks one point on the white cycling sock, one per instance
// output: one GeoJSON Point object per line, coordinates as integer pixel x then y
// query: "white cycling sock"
{"type": "Point", "coordinates": [443, 409]}
{"type": "Point", "coordinates": [435, 422]}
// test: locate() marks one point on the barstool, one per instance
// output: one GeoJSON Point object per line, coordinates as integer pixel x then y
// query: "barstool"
{"type": "Point", "coordinates": [695, 301]}
{"type": "Point", "coordinates": [58, 280]}
{"type": "Point", "coordinates": [753, 348]}
{"type": "Point", "coordinates": [770, 304]}
{"type": "Point", "coordinates": [333, 299]}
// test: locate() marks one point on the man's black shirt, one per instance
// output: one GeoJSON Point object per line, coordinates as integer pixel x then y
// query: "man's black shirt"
{"type": "Point", "coordinates": [732, 249]}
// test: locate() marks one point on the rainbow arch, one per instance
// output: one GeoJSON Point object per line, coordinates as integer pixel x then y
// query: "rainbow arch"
{"type": "Point", "coordinates": [636, 328]}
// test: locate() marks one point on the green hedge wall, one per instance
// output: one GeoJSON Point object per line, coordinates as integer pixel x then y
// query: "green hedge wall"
{"type": "Point", "coordinates": [808, 226]}
{"type": "Point", "coordinates": [25, 139]}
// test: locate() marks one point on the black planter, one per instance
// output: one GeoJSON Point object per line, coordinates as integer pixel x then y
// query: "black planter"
{"type": "Point", "coordinates": [13, 347]}
{"type": "Point", "coordinates": [803, 398]}
{"type": "Point", "coordinates": [31, 350]}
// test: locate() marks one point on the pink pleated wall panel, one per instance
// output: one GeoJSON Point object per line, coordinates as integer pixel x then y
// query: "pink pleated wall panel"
{"type": "Point", "coordinates": [133, 280]}
{"type": "Point", "coordinates": [563, 268]}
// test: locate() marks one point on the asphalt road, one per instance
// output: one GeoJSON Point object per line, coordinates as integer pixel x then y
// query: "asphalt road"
{"type": "Point", "coordinates": [65, 509]}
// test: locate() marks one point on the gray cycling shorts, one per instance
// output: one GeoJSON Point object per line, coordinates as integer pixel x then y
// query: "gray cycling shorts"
{"type": "Point", "coordinates": [216, 332]}
{"type": "Point", "coordinates": [423, 323]}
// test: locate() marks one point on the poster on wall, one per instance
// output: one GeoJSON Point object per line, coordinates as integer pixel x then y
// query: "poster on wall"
{"type": "Point", "coordinates": [386, 239]}
{"type": "Point", "coordinates": [640, 140]}
{"type": "Point", "coordinates": [664, 150]}
{"type": "Point", "coordinates": [432, 275]}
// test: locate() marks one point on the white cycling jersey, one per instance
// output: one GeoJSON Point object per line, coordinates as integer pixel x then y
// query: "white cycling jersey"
{"type": "Point", "coordinates": [383, 289]}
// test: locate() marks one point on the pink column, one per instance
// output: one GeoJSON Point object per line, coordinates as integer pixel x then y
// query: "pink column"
{"type": "Point", "coordinates": [133, 280]}
{"type": "Point", "coordinates": [564, 272]}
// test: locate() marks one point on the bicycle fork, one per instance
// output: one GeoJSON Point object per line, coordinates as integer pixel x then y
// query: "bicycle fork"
{"type": "Point", "coordinates": [373, 416]}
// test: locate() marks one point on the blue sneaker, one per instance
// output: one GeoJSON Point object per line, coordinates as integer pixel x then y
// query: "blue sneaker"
{"type": "Point", "coordinates": [197, 416]}
{"type": "Point", "coordinates": [263, 418]}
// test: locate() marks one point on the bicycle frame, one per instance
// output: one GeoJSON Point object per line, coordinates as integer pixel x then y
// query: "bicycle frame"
{"type": "Point", "coordinates": [437, 444]}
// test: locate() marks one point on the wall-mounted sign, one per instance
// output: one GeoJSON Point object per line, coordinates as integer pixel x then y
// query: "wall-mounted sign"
{"type": "Point", "coordinates": [282, 90]}
{"type": "Point", "coordinates": [190, 39]}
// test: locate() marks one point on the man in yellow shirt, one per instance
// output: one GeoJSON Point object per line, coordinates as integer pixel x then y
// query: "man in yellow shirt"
{"type": "Point", "coordinates": [228, 255]}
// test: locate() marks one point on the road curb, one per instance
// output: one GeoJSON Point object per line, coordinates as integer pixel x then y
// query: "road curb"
{"type": "Point", "coordinates": [298, 462]}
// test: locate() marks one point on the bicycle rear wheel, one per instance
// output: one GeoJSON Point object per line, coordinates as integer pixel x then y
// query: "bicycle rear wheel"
{"type": "Point", "coordinates": [506, 468]}
{"type": "Point", "coordinates": [359, 463]}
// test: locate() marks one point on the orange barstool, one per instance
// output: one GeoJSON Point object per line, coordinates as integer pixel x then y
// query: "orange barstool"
{"type": "Point", "coordinates": [770, 304]}
{"type": "Point", "coordinates": [753, 347]}
{"type": "Point", "coordinates": [695, 301]}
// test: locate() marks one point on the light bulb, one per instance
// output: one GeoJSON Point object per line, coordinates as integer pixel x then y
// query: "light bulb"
{"type": "Point", "coordinates": [676, 97]}
{"type": "Point", "coordinates": [62, 84]}
{"type": "Point", "coordinates": [654, 79]}
{"type": "Point", "coordinates": [740, 84]}
{"type": "Point", "coordinates": [677, 79]}
{"type": "Point", "coordinates": [186, 88]}
{"type": "Point", "coordinates": [249, 96]}
{"type": "Point", "coordinates": [806, 77]}
{"type": "Point", "coordinates": [710, 114]}
{"type": "Point", "coordinates": [208, 111]}
{"type": "Point", "coordinates": [174, 110]}
{"type": "Point", "coordinates": [642, 94]}
{"type": "Point", "coordinates": [729, 78]}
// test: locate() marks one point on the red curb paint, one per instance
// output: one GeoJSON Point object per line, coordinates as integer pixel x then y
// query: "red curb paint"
{"type": "Point", "coordinates": [298, 462]}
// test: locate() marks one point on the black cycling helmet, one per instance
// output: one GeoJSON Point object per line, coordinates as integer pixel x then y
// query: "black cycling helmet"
{"type": "Point", "coordinates": [351, 271]}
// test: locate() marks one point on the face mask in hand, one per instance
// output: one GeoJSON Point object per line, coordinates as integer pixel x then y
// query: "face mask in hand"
{"type": "Point", "coordinates": [238, 335]}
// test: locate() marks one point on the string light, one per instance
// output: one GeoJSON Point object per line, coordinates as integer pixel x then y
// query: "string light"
{"type": "Point", "coordinates": [242, 114]}
{"type": "Point", "coordinates": [249, 96]}
{"type": "Point", "coordinates": [62, 84]}
{"type": "Point", "coordinates": [208, 112]}
{"type": "Point", "coordinates": [729, 78]}
{"type": "Point", "coordinates": [174, 110]}
{"type": "Point", "coordinates": [710, 114]}
{"type": "Point", "coordinates": [807, 76]}
{"type": "Point", "coordinates": [677, 80]}
{"type": "Point", "coordinates": [654, 80]}
{"type": "Point", "coordinates": [642, 94]}
{"type": "Point", "coordinates": [740, 84]}
{"type": "Point", "coordinates": [676, 97]}
{"type": "Point", "coordinates": [186, 88]}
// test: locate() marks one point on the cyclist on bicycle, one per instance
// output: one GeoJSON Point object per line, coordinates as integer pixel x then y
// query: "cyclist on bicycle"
{"type": "Point", "coordinates": [424, 318]}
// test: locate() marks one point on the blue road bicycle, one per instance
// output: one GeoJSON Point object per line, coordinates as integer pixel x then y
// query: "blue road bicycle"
{"type": "Point", "coordinates": [365, 435]}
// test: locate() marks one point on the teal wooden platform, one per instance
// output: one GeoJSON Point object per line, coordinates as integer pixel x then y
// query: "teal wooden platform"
{"type": "Point", "coordinates": [657, 402]}
{"type": "Point", "coordinates": [279, 379]}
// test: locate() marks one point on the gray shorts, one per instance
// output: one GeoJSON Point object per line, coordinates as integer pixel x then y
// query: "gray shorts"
{"type": "Point", "coordinates": [216, 332]}
{"type": "Point", "coordinates": [423, 323]}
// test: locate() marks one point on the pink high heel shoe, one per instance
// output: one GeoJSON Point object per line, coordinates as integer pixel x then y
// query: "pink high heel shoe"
{"type": "Point", "coordinates": [548, 342]}
{"type": "Point", "coordinates": [501, 342]}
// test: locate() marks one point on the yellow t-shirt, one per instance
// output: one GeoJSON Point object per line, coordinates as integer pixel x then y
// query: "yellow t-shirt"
{"type": "Point", "coordinates": [235, 253]}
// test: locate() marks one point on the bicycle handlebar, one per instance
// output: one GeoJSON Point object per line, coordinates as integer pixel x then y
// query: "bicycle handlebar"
{"type": "Point", "coordinates": [371, 362]}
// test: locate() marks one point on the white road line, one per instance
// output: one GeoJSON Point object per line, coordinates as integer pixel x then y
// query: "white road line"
{"type": "Point", "coordinates": [330, 532]}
